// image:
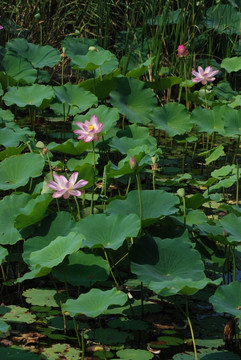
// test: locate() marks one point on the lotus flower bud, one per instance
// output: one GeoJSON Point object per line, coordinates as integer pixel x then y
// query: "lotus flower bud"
{"type": "Point", "coordinates": [133, 163]}
{"type": "Point", "coordinates": [182, 51]}
{"type": "Point", "coordinates": [181, 192]}
{"type": "Point", "coordinates": [45, 150]}
{"type": "Point", "coordinates": [92, 48]}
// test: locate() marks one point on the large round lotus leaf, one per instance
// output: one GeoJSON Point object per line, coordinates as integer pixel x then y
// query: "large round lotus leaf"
{"type": "Point", "coordinates": [232, 122]}
{"type": "Point", "coordinates": [18, 211]}
{"type": "Point", "coordinates": [173, 118]}
{"type": "Point", "coordinates": [15, 352]}
{"type": "Point", "coordinates": [231, 64]}
{"type": "Point", "coordinates": [75, 46]}
{"type": "Point", "coordinates": [54, 253]}
{"type": "Point", "coordinates": [108, 116]}
{"type": "Point", "coordinates": [232, 224]}
{"type": "Point", "coordinates": [123, 167]}
{"type": "Point", "coordinates": [6, 116]}
{"type": "Point", "coordinates": [44, 297]}
{"type": "Point", "coordinates": [19, 69]}
{"type": "Point", "coordinates": [70, 147]}
{"type": "Point", "coordinates": [172, 266]}
{"type": "Point", "coordinates": [92, 60]}
{"type": "Point", "coordinates": [76, 96]}
{"type": "Point", "coordinates": [108, 231]}
{"type": "Point", "coordinates": [60, 351]}
{"type": "Point", "coordinates": [227, 298]}
{"type": "Point", "coordinates": [155, 203]}
{"type": "Point", "coordinates": [124, 144]}
{"type": "Point", "coordinates": [225, 19]}
{"type": "Point", "coordinates": [10, 138]}
{"type": "Point", "coordinates": [18, 169]}
{"type": "Point", "coordinates": [82, 269]}
{"type": "Point", "coordinates": [18, 314]}
{"type": "Point", "coordinates": [209, 121]}
{"type": "Point", "coordinates": [38, 55]}
{"type": "Point", "coordinates": [134, 354]}
{"type": "Point", "coordinates": [133, 100]}
{"type": "Point", "coordinates": [33, 95]}
{"type": "Point", "coordinates": [55, 225]}
{"type": "Point", "coordinates": [95, 302]}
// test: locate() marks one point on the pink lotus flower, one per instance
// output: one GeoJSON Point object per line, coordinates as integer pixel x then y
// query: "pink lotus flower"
{"type": "Point", "coordinates": [1, 27]}
{"type": "Point", "coordinates": [204, 76]}
{"type": "Point", "coordinates": [182, 51]}
{"type": "Point", "coordinates": [65, 187]}
{"type": "Point", "coordinates": [89, 129]}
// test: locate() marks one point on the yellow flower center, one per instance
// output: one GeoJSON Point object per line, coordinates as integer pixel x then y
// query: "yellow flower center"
{"type": "Point", "coordinates": [91, 127]}
{"type": "Point", "coordinates": [71, 187]}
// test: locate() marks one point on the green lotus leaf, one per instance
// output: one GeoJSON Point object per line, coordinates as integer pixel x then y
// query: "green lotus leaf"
{"type": "Point", "coordinates": [95, 302]}
{"type": "Point", "coordinates": [82, 269]}
{"type": "Point", "coordinates": [155, 203]}
{"type": "Point", "coordinates": [102, 88]}
{"type": "Point", "coordinates": [4, 327]}
{"type": "Point", "coordinates": [123, 167]}
{"type": "Point", "coordinates": [3, 254]}
{"type": "Point", "coordinates": [224, 19]}
{"type": "Point", "coordinates": [93, 60]}
{"type": "Point", "coordinates": [232, 122]}
{"type": "Point", "coordinates": [133, 100]}
{"type": "Point", "coordinates": [231, 223]}
{"type": "Point", "coordinates": [134, 136]}
{"type": "Point", "coordinates": [70, 147]}
{"type": "Point", "coordinates": [18, 169]}
{"type": "Point", "coordinates": [140, 70]}
{"type": "Point", "coordinates": [215, 154]}
{"type": "Point", "coordinates": [236, 101]}
{"type": "Point", "coordinates": [6, 115]}
{"type": "Point", "coordinates": [227, 298]}
{"type": "Point", "coordinates": [44, 297]}
{"type": "Point", "coordinates": [76, 46]}
{"type": "Point", "coordinates": [108, 231]}
{"type": "Point", "coordinates": [15, 352]}
{"type": "Point", "coordinates": [172, 266]}
{"type": "Point", "coordinates": [164, 83]}
{"type": "Point", "coordinates": [9, 138]}
{"type": "Point", "coordinates": [134, 354]}
{"type": "Point", "coordinates": [108, 116]}
{"type": "Point", "coordinates": [55, 225]}
{"type": "Point", "coordinates": [173, 118]}
{"type": "Point", "coordinates": [209, 121]}
{"type": "Point", "coordinates": [18, 211]}
{"type": "Point", "coordinates": [58, 351]}
{"type": "Point", "coordinates": [74, 96]}
{"type": "Point", "coordinates": [33, 95]}
{"type": "Point", "coordinates": [35, 273]}
{"type": "Point", "coordinates": [39, 56]}
{"type": "Point", "coordinates": [18, 314]}
{"type": "Point", "coordinates": [223, 91]}
{"type": "Point", "coordinates": [19, 69]}
{"type": "Point", "coordinates": [74, 164]}
{"type": "Point", "coordinates": [54, 253]}
{"type": "Point", "coordinates": [85, 171]}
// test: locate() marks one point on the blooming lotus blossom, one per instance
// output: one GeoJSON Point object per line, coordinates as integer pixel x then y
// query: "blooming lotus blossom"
{"type": "Point", "coordinates": [89, 129]}
{"type": "Point", "coordinates": [1, 27]}
{"type": "Point", "coordinates": [204, 76]}
{"type": "Point", "coordinates": [182, 51]}
{"type": "Point", "coordinates": [65, 187]}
